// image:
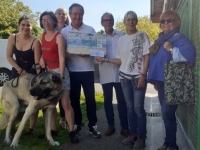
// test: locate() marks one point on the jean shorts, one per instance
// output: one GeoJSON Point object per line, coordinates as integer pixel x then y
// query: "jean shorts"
{"type": "Point", "coordinates": [66, 81]}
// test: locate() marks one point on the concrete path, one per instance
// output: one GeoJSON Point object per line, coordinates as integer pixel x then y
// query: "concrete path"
{"type": "Point", "coordinates": [155, 129]}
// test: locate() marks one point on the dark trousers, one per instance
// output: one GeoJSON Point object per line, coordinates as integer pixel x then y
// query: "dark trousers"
{"type": "Point", "coordinates": [86, 80]}
{"type": "Point", "coordinates": [122, 109]}
{"type": "Point", "coordinates": [168, 113]}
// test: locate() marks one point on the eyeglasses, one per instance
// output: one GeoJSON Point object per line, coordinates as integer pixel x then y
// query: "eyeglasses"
{"type": "Point", "coordinates": [47, 20]}
{"type": "Point", "coordinates": [167, 20]}
{"type": "Point", "coordinates": [107, 20]}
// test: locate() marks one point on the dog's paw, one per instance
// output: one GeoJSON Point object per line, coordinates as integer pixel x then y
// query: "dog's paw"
{"type": "Point", "coordinates": [7, 140]}
{"type": "Point", "coordinates": [55, 143]}
{"type": "Point", "coordinates": [14, 144]}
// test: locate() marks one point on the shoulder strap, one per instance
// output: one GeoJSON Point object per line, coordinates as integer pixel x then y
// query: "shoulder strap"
{"type": "Point", "coordinates": [32, 43]}
{"type": "Point", "coordinates": [175, 37]}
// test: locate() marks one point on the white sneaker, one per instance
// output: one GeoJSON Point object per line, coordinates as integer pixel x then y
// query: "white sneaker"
{"type": "Point", "coordinates": [93, 130]}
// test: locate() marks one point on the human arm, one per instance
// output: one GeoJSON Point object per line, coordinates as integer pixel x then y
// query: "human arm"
{"type": "Point", "coordinates": [115, 61]}
{"type": "Point", "coordinates": [143, 75]}
{"type": "Point", "coordinates": [42, 61]}
{"type": "Point", "coordinates": [61, 52]}
{"type": "Point", "coordinates": [9, 53]}
{"type": "Point", "coordinates": [37, 55]}
{"type": "Point", "coordinates": [182, 50]}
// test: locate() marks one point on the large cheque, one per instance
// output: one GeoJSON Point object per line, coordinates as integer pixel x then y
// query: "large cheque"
{"type": "Point", "coordinates": [86, 43]}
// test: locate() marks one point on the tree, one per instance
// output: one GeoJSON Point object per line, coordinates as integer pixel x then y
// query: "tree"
{"type": "Point", "coordinates": [145, 25]}
{"type": "Point", "coordinates": [101, 32]}
{"type": "Point", "coordinates": [10, 12]}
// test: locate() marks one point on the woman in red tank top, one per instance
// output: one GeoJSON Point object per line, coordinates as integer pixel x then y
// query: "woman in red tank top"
{"type": "Point", "coordinates": [53, 56]}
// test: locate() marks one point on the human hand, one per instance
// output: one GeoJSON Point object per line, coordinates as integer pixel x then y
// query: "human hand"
{"type": "Point", "coordinates": [167, 46]}
{"type": "Point", "coordinates": [141, 81]}
{"type": "Point", "coordinates": [22, 72]}
{"type": "Point", "coordinates": [83, 55]}
{"type": "Point", "coordinates": [67, 54]}
{"type": "Point", "coordinates": [98, 59]}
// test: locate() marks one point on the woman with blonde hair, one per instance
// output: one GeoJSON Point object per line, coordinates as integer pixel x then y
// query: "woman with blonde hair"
{"type": "Point", "coordinates": [63, 21]}
{"type": "Point", "coordinates": [62, 17]}
{"type": "Point", "coordinates": [181, 50]}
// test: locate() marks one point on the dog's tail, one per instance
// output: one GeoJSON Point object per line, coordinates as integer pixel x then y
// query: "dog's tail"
{"type": "Point", "coordinates": [4, 120]}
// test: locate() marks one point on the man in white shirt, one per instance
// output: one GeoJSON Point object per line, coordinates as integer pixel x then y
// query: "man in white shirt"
{"type": "Point", "coordinates": [81, 69]}
{"type": "Point", "coordinates": [109, 78]}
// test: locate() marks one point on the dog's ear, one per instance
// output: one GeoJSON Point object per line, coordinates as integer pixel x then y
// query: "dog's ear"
{"type": "Point", "coordinates": [56, 79]}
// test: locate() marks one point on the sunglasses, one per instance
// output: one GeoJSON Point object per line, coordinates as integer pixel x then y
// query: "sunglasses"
{"type": "Point", "coordinates": [167, 20]}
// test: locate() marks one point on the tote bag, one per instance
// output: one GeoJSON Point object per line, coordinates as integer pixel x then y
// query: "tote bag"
{"type": "Point", "coordinates": [179, 83]}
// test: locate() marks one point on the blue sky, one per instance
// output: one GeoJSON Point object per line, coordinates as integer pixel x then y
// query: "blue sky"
{"type": "Point", "coordinates": [94, 8]}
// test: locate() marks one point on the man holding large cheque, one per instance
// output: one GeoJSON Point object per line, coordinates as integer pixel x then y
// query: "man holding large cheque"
{"type": "Point", "coordinates": [81, 69]}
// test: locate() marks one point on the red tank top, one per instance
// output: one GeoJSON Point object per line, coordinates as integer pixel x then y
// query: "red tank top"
{"type": "Point", "coordinates": [50, 51]}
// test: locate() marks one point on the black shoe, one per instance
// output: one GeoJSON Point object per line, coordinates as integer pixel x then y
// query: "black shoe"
{"type": "Point", "coordinates": [30, 132]}
{"type": "Point", "coordinates": [93, 130]}
{"type": "Point", "coordinates": [77, 128]}
{"type": "Point", "coordinates": [73, 137]}
{"type": "Point", "coordinates": [53, 134]}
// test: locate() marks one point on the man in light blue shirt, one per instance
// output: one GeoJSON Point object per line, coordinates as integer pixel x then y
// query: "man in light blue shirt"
{"type": "Point", "coordinates": [109, 78]}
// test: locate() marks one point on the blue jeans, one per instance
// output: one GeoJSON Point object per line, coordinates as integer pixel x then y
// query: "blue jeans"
{"type": "Point", "coordinates": [169, 118]}
{"type": "Point", "coordinates": [134, 98]}
{"type": "Point", "coordinates": [122, 110]}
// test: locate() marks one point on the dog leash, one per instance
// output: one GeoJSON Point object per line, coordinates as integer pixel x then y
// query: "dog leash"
{"type": "Point", "coordinates": [12, 83]}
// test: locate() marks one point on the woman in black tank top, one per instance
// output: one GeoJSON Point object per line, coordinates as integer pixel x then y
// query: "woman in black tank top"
{"type": "Point", "coordinates": [26, 49]}
{"type": "Point", "coordinates": [24, 59]}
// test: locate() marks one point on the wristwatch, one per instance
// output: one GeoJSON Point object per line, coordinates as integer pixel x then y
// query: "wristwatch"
{"type": "Point", "coordinates": [171, 50]}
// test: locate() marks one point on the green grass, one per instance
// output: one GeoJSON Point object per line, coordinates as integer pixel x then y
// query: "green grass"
{"type": "Point", "coordinates": [28, 142]}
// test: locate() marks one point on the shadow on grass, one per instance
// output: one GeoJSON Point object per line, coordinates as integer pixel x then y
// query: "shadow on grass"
{"type": "Point", "coordinates": [32, 142]}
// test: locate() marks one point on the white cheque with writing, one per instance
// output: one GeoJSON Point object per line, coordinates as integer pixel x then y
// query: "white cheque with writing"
{"type": "Point", "coordinates": [86, 43]}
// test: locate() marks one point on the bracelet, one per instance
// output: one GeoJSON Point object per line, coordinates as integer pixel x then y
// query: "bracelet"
{"type": "Point", "coordinates": [19, 72]}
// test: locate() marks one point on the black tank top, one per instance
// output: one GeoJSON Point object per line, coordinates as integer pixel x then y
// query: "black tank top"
{"type": "Point", "coordinates": [24, 59]}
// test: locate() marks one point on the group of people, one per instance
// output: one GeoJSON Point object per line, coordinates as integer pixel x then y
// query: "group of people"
{"type": "Point", "coordinates": [127, 66]}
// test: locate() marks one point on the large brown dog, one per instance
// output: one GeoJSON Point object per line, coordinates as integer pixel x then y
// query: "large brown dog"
{"type": "Point", "coordinates": [20, 102]}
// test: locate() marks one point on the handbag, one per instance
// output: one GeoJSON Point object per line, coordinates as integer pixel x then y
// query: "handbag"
{"type": "Point", "coordinates": [179, 83]}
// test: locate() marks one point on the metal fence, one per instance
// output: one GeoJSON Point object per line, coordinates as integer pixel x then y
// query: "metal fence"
{"type": "Point", "coordinates": [189, 11]}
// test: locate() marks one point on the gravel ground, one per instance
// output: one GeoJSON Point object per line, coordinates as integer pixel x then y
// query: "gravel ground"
{"type": "Point", "coordinates": [112, 142]}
